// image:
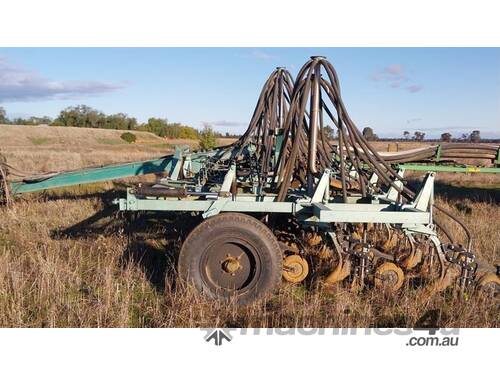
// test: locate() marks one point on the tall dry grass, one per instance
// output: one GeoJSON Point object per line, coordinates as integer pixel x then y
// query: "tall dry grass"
{"type": "Point", "coordinates": [96, 275]}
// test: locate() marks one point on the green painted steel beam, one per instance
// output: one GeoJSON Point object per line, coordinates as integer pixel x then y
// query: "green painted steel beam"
{"type": "Point", "coordinates": [314, 212]}
{"type": "Point", "coordinates": [447, 168]}
{"type": "Point", "coordinates": [97, 174]}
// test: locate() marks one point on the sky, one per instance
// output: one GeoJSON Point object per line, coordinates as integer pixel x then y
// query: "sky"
{"type": "Point", "coordinates": [433, 90]}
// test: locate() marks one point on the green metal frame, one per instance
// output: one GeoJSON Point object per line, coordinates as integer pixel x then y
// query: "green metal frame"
{"type": "Point", "coordinates": [170, 164]}
{"type": "Point", "coordinates": [446, 168]}
{"type": "Point", "coordinates": [312, 212]}
{"type": "Point", "coordinates": [98, 174]}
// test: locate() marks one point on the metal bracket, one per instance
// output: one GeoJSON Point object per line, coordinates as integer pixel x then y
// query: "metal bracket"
{"type": "Point", "coordinates": [186, 166]}
{"type": "Point", "coordinates": [428, 231]}
{"type": "Point", "coordinates": [178, 162]}
{"type": "Point", "coordinates": [393, 193]}
{"type": "Point", "coordinates": [322, 189]}
{"type": "Point", "coordinates": [419, 228]}
{"type": "Point", "coordinates": [353, 173]}
{"type": "Point", "coordinates": [425, 196]}
{"type": "Point", "coordinates": [373, 179]}
{"type": "Point", "coordinates": [228, 179]}
{"type": "Point", "coordinates": [218, 204]}
{"type": "Point", "coordinates": [215, 208]}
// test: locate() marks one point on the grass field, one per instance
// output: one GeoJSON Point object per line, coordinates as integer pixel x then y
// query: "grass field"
{"type": "Point", "coordinates": [66, 260]}
{"type": "Point", "coordinates": [40, 149]}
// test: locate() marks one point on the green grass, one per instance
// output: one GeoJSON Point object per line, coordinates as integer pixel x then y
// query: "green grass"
{"type": "Point", "coordinates": [37, 141]}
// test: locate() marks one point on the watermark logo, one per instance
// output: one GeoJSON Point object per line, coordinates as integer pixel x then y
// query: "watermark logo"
{"type": "Point", "coordinates": [441, 337]}
{"type": "Point", "coordinates": [217, 335]}
{"type": "Point", "coordinates": [446, 337]}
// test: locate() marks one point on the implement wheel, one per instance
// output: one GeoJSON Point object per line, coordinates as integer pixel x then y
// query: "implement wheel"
{"type": "Point", "coordinates": [389, 277]}
{"type": "Point", "coordinates": [489, 285]}
{"type": "Point", "coordinates": [295, 269]}
{"type": "Point", "coordinates": [231, 255]}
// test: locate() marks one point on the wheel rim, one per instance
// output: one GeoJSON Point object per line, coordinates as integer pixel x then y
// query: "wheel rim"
{"type": "Point", "coordinates": [230, 265]}
{"type": "Point", "coordinates": [295, 268]}
{"type": "Point", "coordinates": [389, 279]}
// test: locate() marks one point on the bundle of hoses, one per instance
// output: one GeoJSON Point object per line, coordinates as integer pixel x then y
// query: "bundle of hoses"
{"type": "Point", "coordinates": [268, 119]}
{"type": "Point", "coordinates": [305, 151]}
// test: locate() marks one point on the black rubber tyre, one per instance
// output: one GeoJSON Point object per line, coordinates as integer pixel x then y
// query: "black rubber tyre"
{"type": "Point", "coordinates": [231, 255]}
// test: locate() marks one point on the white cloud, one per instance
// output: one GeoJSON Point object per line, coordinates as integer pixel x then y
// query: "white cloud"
{"type": "Point", "coordinates": [21, 85]}
{"type": "Point", "coordinates": [395, 76]}
{"type": "Point", "coordinates": [392, 73]}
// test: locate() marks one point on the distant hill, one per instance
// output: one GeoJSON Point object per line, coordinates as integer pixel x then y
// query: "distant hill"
{"type": "Point", "coordinates": [43, 148]}
{"type": "Point", "coordinates": [26, 135]}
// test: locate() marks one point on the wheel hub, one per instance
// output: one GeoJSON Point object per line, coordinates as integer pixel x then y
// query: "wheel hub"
{"type": "Point", "coordinates": [389, 276]}
{"type": "Point", "coordinates": [231, 264]}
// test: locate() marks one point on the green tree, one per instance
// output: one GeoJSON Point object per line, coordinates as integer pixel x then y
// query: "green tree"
{"type": "Point", "coordinates": [81, 116]}
{"type": "Point", "coordinates": [120, 121]}
{"type": "Point", "coordinates": [207, 138]}
{"type": "Point", "coordinates": [475, 136]}
{"type": "Point", "coordinates": [128, 137]}
{"type": "Point", "coordinates": [162, 128]}
{"type": "Point", "coordinates": [369, 134]}
{"type": "Point", "coordinates": [188, 132]}
{"type": "Point", "coordinates": [418, 136]}
{"type": "Point", "coordinates": [156, 126]}
{"type": "Point", "coordinates": [445, 137]}
{"type": "Point", "coordinates": [3, 116]}
{"type": "Point", "coordinates": [33, 120]}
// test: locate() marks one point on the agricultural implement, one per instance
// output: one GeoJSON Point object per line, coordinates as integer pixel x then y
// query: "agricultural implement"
{"type": "Point", "coordinates": [283, 195]}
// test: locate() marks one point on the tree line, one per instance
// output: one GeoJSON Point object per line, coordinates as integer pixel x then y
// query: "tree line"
{"type": "Point", "coordinates": [82, 116]}
{"type": "Point", "coordinates": [418, 136]}
{"type": "Point", "coordinates": [472, 137]}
